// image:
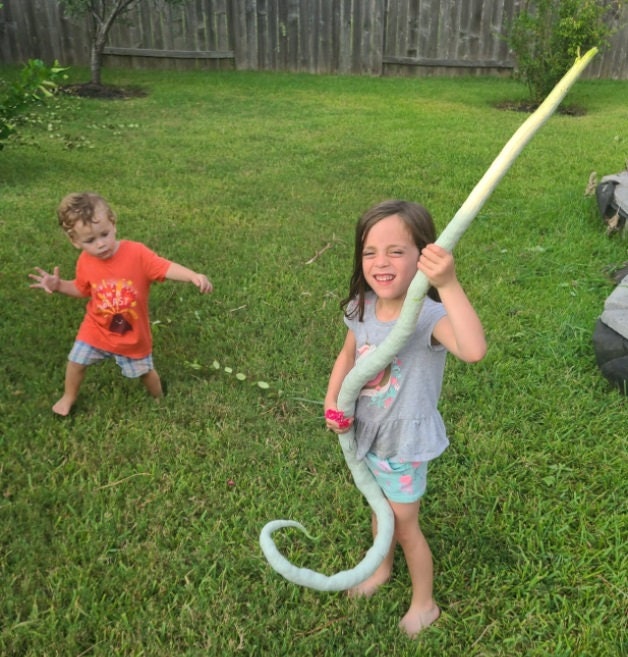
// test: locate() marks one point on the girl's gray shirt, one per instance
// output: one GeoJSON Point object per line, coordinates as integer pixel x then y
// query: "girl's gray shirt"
{"type": "Point", "coordinates": [396, 414]}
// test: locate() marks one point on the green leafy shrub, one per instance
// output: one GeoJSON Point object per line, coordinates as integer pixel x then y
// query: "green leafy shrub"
{"type": "Point", "coordinates": [547, 35]}
{"type": "Point", "coordinates": [35, 83]}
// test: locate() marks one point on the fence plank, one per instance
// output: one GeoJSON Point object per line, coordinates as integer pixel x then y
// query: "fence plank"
{"type": "Point", "coordinates": [367, 37]}
{"type": "Point", "coordinates": [446, 35]}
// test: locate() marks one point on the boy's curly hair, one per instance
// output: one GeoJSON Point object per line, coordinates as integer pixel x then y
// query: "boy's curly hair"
{"type": "Point", "coordinates": [81, 207]}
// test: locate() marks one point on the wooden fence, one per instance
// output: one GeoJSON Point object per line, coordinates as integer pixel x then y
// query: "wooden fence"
{"type": "Point", "coordinates": [372, 37]}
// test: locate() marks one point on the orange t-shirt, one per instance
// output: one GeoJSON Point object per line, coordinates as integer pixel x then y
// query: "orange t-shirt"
{"type": "Point", "coordinates": [116, 316]}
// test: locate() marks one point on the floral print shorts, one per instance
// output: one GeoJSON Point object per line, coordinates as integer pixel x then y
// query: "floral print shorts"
{"type": "Point", "coordinates": [400, 481]}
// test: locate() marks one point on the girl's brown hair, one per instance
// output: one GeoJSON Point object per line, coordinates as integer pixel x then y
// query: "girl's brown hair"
{"type": "Point", "coordinates": [421, 226]}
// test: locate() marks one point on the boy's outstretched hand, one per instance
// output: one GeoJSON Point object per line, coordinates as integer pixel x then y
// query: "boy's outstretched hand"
{"type": "Point", "coordinates": [47, 282]}
{"type": "Point", "coordinates": [177, 272]}
{"type": "Point", "coordinates": [203, 284]}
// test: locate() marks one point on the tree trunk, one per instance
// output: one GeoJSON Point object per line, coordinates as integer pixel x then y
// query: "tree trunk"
{"type": "Point", "coordinates": [96, 62]}
{"type": "Point", "coordinates": [101, 24]}
{"type": "Point", "coordinates": [98, 40]}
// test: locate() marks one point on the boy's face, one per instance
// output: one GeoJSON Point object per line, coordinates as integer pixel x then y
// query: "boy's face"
{"type": "Point", "coordinates": [98, 238]}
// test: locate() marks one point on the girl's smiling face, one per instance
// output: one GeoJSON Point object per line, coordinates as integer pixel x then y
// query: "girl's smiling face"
{"type": "Point", "coordinates": [389, 259]}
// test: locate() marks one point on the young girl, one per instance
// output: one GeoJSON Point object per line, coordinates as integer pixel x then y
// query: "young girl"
{"type": "Point", "coordinates": [398, 428]}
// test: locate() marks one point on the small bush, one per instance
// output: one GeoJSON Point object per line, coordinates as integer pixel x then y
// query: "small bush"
{"type": "Point", "coordinates": [547, 35]}
{"type": "Point", "coordinates": [35, 83]}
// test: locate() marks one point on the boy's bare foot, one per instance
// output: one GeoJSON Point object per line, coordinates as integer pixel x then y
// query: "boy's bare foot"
{"type": "Point", "coordinates": [415, 621]}
{"type": "Point", "coordinates": [63, 406]}
{"type": "Point", "coordinates": [369, 587]}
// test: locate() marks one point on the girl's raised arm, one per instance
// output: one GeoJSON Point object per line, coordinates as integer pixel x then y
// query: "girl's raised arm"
{"type": "Point", "coordinates": [460, 331]}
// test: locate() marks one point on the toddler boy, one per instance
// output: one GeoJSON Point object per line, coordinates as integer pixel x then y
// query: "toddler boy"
{"type": "Point", "coordinates": [116, 276]}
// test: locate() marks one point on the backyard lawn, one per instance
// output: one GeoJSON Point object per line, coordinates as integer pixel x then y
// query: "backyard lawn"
{"type": "Point", "coordinates": [131, 527]}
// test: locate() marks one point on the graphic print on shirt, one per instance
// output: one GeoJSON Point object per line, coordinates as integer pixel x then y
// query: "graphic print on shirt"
{"type": "Point", "coordinates": [116, 299]}
{"type": "Point", "coordinates": [383, 388]}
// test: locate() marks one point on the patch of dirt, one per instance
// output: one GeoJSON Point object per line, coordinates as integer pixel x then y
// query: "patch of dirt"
{"type": "Point", "coordinates": [103, 91]}
{"type": "Point", "coordinates": [529, 107]}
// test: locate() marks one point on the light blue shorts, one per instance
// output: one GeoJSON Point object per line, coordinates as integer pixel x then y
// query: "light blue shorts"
{"type": "Point", "coordinates": [400, 481]}
{"type": "Point", "coordinates": [84, 354]}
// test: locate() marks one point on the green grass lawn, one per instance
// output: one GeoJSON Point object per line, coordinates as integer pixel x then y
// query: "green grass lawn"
{"type": "Point", "coordinates": [131, 528]}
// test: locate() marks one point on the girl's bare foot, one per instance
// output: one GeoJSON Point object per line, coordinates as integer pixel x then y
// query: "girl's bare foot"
{"type": "Point", "coordinates": [415, 621]}
{"type": "Point", "coordinates": [369, 587]}
{"type": "Point", "coordinates": [63, 406]}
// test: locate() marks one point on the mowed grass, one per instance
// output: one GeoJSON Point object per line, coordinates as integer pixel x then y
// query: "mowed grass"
{"type": "Point", "coordinates": [131, 527]}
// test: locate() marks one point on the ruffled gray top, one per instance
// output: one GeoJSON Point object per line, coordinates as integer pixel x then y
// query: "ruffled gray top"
{"type": "Point", "coordinates": [396, 414]}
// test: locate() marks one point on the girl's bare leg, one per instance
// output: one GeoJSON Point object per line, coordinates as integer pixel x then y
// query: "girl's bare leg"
{"type": "Point", "coordinates": [74, 374]}
{"type": "Point", "coordinates": [423, 610]}
{"type": "Point", "coordinates": [380, 576]}
{"type": "Point", "coordinates": [153, 383]}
